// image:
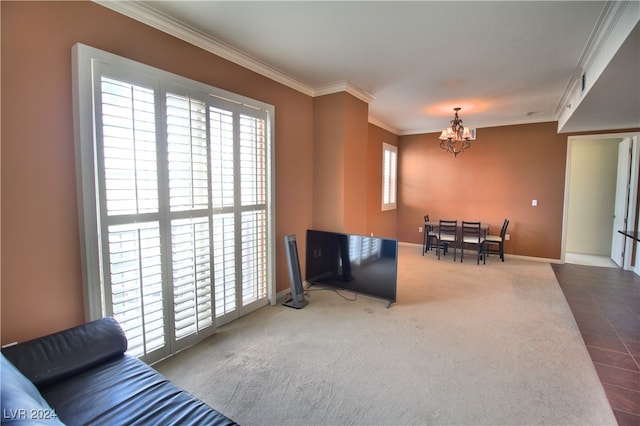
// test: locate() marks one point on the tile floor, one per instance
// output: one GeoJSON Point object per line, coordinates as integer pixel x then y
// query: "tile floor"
{"type": "Point", "coordinates": [605, 303]}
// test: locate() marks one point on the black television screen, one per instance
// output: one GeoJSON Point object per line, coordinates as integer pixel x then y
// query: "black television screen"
{"type": "Point", "coordinates": [367, 265]}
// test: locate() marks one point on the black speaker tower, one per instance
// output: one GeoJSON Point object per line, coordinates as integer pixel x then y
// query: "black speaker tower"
{"type": "Point", "coordinates": [295, 277]}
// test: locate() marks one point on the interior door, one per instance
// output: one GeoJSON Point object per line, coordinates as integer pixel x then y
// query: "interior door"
{"type": "Point", "coordinates": [622, 201]}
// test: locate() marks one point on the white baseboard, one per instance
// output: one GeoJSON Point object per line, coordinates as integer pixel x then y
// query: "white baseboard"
{"type": "Point", "coordinates": [506, 255]}
{"type": "Point", "coordinates": [533, 259]}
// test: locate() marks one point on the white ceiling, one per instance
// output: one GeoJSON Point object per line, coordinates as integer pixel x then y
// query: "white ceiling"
{"type": "Point", "coordinates": [502, 62]}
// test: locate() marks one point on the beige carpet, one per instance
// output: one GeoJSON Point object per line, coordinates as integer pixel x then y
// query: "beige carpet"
{"type": "Point", "coordinates": [464, 345]}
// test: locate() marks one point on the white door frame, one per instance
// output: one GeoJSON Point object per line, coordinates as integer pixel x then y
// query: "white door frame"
{"type": "Point", "coordinates": [636, 269]}
{"type": "Point", "coordinates": [633, 199]}
{"type": "Point", "coordinates": [621, 207]}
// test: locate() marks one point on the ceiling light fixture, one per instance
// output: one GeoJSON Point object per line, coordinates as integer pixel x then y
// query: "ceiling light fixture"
{"type": "Point", "coordinates": [457, 138]}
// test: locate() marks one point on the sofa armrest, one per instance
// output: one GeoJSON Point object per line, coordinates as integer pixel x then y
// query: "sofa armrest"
{"type": "Point", "coordinates": [54, 357]}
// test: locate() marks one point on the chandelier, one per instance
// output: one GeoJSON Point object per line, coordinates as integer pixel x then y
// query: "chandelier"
{"type": "Point", "coordinates": [455, 139]}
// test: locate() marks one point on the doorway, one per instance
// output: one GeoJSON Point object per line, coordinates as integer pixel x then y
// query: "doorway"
{"type": "Point", "coordinates": [591, 213]}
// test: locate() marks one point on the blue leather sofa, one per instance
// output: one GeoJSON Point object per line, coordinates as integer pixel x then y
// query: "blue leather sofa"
{"type": "Point", "coordinates": [82, 376]}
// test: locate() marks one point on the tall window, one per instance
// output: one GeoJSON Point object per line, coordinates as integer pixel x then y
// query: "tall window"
{"type": "Point", "coordinates": [389, 176]}
{"type": "Point", "coordinates": [175, 202]}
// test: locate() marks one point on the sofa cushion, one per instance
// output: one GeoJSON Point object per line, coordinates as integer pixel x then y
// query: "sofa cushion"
{"type": "Point", "coordinates": [125, 390]}
{"type": "Point", "coordinates": [57, 356]}
{"type": "Point", "coordinates": [21, 402]}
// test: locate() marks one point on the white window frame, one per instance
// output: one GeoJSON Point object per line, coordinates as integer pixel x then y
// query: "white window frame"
{"type": "Point", "coordinates": [389, 177]}
{"type": "Point", "coordinates": [85, 61]}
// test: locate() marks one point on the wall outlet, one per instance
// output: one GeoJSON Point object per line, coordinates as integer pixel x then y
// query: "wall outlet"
{"type": "Point", "coordinates": [507, 237]}
{"type": "Point", "coordinates": [419, 228]}
{"type": "Point", "coordinates": [534, 203]}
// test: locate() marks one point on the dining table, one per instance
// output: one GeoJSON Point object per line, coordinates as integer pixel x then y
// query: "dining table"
{"type": "Point", "coordinates": [434, 224]}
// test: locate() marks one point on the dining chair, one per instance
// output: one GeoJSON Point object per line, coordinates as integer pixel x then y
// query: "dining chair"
{"type": "Point", "coordinates": [430, 236]}
{"type": "Point", "coordinates": [473, 235]}
{"type": "Point", "coordinates": [495, 243]}
{"type": "Point", "coordinates": [447, 236]}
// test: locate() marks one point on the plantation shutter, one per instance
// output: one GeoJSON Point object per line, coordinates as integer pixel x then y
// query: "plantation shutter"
{"type": "Point", "coordinates": [130, 179]}
{"type": "Point", "coordinates": [223, 182]}
{"type": "Point", "coordinates": [239, 181]}
{"type": "Point", "coordinates": [188, 177]}
{"type": "Point", "coordinates": [175, 198]}
{"type": "Point", "coordinates": [253, 191]}
{"type": "Point", "coordinates": [389, 174]}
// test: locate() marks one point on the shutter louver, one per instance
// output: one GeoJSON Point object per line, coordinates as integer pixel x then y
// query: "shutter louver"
{"type": "Point", "coordinates": [392, 177]}
{"type": "Point", "coordinates": [254, 256]}
{"type": "Point", "coordinates": [252, 161]}
{"type": "Point", "coordinates": [136, 284]}
{"type": "Point", "coordinates": [131, 188]}
{"type": "Point", "coordinates": [187, 153]}
{"type": "Point", "coordinates": [222, 159]}
{"type": "Point", "coordinates": [188, 167]}
{"type": "Point", "coordinates": [224, 263]}
{"type": "Point", "coordinates": [386, 173]}
{"type": "Point", "coordinates": [129, 148]}
{"type": "Point", "coordinates": [190, 242]}
{"type": "Point", "coordinates": [389, 176]}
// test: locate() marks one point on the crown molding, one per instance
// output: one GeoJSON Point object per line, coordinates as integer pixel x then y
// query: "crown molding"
{"type": "Point", "coordinates": [154, 18]}
{"type": "Point", "coordinates": [384, 126]}
{"type": "Point", "coordinates": [344, 86]}
{"type": "Point", "coordinates": [613, 11]}
{"type": "Point", "coordinates": [167, 24]}
{"type": "Point", "coordinates": [504, 123]}
{"type": "Point", "coordinates": [606, 38]}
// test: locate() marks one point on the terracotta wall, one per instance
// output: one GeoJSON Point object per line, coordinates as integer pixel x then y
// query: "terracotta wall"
{"type": "Point", "coordinates": [355, 165]}
{"type": "Point", "coordinates": [340, 163]}
{"type": "Point", "coordinates": [380, 223]}
{"type": "Point", "coordinates": [328, 163]}
{"type": "Point", "coordinates": [41, 283]}
{"type": "Point", "coordinates": [497, 178]}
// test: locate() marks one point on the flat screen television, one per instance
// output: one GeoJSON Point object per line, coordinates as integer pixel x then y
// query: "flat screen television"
{"type": "Point", "coordinates": [358, 263]}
